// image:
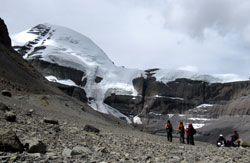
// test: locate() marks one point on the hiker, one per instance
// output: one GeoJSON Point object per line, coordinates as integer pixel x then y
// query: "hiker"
{"type": "Point", "coordinates": [181, 131]}
{"type": "Point", "coordinates": [221, 142]}
{"type": "Point", "coordinates": [190, 131]}
{"type": "Point", "coordinates": [234, 137]}
{"type": "Point", "coordinates": [169, 129]}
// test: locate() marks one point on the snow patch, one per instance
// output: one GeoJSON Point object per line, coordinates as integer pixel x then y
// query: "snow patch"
{"type": "Point", "coordinates": [156, 114]}
{"type": "Point", "coordinates": [137, 120]}
{"type": "Point", "coordinates": [65, 82]}
{"type": "Point", "coordinates": [170, 115]}
{"type": "Point", "coordinates": [204, 105]}
{"type": "Point", "coordinates": [167, 75]}
{"type": "Point", "coordinates": [22, 38]}
{"type": "Point", "coordinates": [173, 98]}
{"type": "Point", "coordinates": [198, 125]}
{"type": "Point", "coordinates": [199, 119]}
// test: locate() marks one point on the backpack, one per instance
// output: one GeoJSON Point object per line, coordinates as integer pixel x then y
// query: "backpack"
{"type": "Point", "coordinates": [194, 131]}
{"type": "Point", "coordinates": [166, 125]}
{"type": "Point", "coordinates": [182, 129]}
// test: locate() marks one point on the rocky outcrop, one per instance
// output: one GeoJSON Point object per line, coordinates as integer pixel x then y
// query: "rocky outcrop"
{"type": "Point", "coordinates": [10, 116]}
{"type": "Point", "coordinates": [73, 91]}
{"type": "Point", "coordinates": [35, 146]}
{"type": "Point", "coordinates": [98, 79]}
{"type": "Point", "coordinates": [181, 95]}
{"type": "Point", "coordinates": [4, 34]}
{"type": "Point", "coordinates": [9, 142]}
{"type": "Point", "coordinates": [60, 72]}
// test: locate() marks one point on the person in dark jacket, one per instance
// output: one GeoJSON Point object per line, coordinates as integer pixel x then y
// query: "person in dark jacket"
{"type": "Point", "coordinates": [234, 137]}
{"type": "Point", "coordinates": [221, 142]}
{"type": "Point", "coordinates": [169, 129]}
{"type": "Point", "coordinates": [190, 131]}
{"type": "Point", "coordinates": [181, 131]}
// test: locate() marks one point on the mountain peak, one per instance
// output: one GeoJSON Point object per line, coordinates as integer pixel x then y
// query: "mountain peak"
{"type": "Point", "coordinates": [50, 42]}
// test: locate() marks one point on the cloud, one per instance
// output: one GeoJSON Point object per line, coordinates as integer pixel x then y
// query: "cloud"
{"type": "Point", "coordinates": [212, 35]}
{"type": "Point", "coordinates": [188, 68]}
{"type": "Point", "coordinates": [195, 17]}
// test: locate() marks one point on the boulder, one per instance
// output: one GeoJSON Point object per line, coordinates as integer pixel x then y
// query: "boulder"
{"type": "Point", "coordinates": [90, 128]}
{"type": "Point", "coordinates": [67, 152]}
{"type": "Point", "coordinates": [4, 107]}
{"type": "Point", "coordinates": [6, 93]}
{"type": "Point", "coordinates": [10, 116]}
{"type": "Point", "coordinates": [243, 143]}
{"type": "Point", "coordinates": [51, 121]}
{"type": "Point", "coordinates": [35, 146]}
{"type": "Point", "coordinates": [79, 150]}
{"type": "Point", "coordinates": [30, 112]}
{"type": "Point", "coordinates": [9, 142]}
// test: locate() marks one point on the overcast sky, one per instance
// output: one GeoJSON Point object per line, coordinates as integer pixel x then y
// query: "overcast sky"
{"type": "Point", "coordinates": [207, 36]}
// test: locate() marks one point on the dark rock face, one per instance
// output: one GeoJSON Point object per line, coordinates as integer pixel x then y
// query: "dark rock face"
{"type": "Point", "coordinates": [127, 105]}
{"type": "Point", "coordinates": [176, 97]}
{"type": "Point", "coordinates": [58, 71]}
{"type": "Point", "coordinates": [9, 142]}
{"type": "Point", "coordinates": [80, 94]}
{"type": "Point", "coordinates": [76, 92]}
{"type": "Point", "coordinates": [4, 34]}
{"type": "Point", "coordinates": [98, 79]}
{"type": "Point", "coordinates": [61, 73]}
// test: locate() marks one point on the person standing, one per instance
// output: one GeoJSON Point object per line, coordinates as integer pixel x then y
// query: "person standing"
{"type": "Point", "coordinates": [169, 129]}
{"type": "Point", "coordinates": [190, 131]}
{"type": "Point", "coordinates": [181, 131]}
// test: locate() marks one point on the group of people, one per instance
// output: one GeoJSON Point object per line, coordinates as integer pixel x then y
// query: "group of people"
{"type": "Point", "coordinates": [234, 142]}
{"type": "Point", "coordinates": [190, 132]}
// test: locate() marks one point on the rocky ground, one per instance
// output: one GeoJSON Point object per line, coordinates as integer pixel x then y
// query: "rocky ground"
{"type": "Point", "coordinates": [58, 123]}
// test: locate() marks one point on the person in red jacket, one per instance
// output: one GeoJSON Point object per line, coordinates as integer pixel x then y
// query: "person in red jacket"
{"type": "Point", "coordinates": [181, 131]}
{"type": "Point", "coordinates": [190, 131]}
{"type": "Point", "coordinates": [234, 137]}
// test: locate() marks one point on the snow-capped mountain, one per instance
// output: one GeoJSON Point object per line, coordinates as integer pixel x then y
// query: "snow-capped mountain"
{"type": "Point", "coordinates": [67, 48]}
